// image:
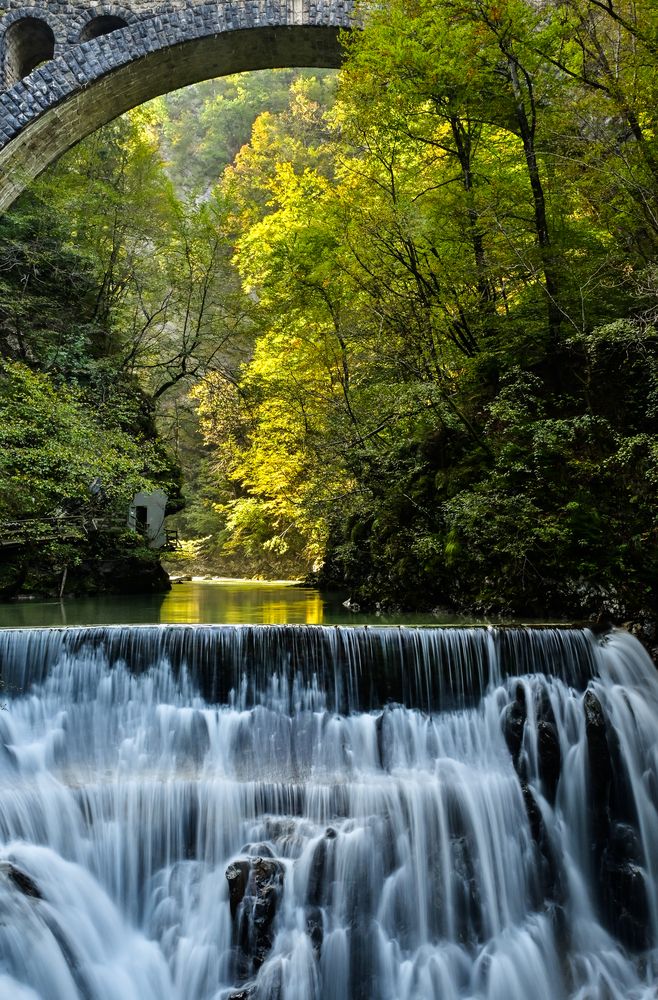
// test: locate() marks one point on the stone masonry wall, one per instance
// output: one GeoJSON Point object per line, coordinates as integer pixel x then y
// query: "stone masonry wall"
{"type": "Point", "coordinates": [162, 47]}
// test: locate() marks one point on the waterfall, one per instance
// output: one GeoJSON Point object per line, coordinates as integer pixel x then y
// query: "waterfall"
{"type": "Point", "coordinates": [318, 813]}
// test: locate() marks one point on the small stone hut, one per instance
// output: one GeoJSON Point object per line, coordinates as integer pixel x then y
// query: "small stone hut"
{"type": "Point", "coordinates": [147, 514]}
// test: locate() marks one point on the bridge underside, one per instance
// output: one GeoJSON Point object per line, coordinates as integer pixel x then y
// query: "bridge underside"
{"type": "Point", "coordinates": [88, 85]}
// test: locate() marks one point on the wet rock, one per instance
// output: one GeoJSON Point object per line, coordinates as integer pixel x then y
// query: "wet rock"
{"type": "Point", "coordinates": [267, 878]}
{"type": "Point", "coordinates": [320, 875]}
{"type": "Point", "coordinates": [544, 706]}
{"type": "Point", "coordinates": [381, 740]}
{"type": "Point", "coordinates": [645, 628]}
{"type": "Point", "coordinates": [280, 830]}
{"type": "Point", "coordinates": [259, 850]}
{"type": "Point", "coordinates": [548, 866]}
{"type": "Point", "coordinates": [533, 813]}
{"type": "Point", "coordinates": [616, 847]}
{"type": "Point", "coordinates": [597, 743]}
{"type": "Point", "coordinates": [550, 757]}
{"type": "Point", "coordinates": [611, 797]}
{"type": "Point", "coordinates": [266, 872]}
{"type": "Point", "coordinates": [624, 889]}
{"type": "Point", "coordinates": [600, 771]}
{"type": "Point", "coordinates": [600, 779]}
{"type": "Point", "coordinates": [255, 887]}
{"type": "Point", "coordinates": [245, 994]}
{"type": "Point", "coordinates": [467, 913]}
{"type": "Point", "coordinates": [316, 876]}
{"type": "Point", "coordinates": [20, 880]}
{"type": "Point", "coordinates": [625, 843]}
{"type": "Point", "coordinates": [513, 723]}
{"type": "Point", "coordinates": [385, 737]}
{"type": "Point", "coordinates": [315, 928]}
{"type": "Point", "coordinates": [237, 876]}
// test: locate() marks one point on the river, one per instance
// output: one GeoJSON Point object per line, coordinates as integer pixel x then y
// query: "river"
{"type": "Point", "coordinates": [284, 811]}
{"type": "Point", "coordinates": [198, 602]}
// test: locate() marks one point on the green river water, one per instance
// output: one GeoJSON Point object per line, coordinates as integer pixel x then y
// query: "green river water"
{"type": "Point", "coordinates": [207, 602]}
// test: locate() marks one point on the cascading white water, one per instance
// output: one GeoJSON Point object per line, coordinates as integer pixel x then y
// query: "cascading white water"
{"type": "Point", "coordinates": [328, 814]}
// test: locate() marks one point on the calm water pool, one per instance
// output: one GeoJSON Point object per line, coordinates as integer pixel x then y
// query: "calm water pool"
{"type": "Point", "coordinates": [206, 602]}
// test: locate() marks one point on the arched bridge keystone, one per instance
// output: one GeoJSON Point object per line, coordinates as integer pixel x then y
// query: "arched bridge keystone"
{"type": "Point", "coordinates": [69, 66]}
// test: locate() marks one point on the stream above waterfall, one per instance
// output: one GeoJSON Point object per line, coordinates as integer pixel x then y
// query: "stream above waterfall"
{"type": "Point", "coordinates": [281, 812]}
{"type": "Point", "coordinates": [232, 602]}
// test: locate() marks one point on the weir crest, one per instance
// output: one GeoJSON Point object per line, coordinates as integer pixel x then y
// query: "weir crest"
{"type": "Point", "coordinates": [311, 813]}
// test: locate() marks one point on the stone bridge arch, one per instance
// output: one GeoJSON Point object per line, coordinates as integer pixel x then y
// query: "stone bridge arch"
{"type": "Point", "coordinates": [129, 55]}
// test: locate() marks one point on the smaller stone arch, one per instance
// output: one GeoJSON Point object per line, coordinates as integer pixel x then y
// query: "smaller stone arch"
{"type": "Point", "coordinates": [28, 42]}
{"type": "Point", "coordinates": [103, 24]}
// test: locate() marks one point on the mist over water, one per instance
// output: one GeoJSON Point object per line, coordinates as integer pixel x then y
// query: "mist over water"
{"type": "Point", "coordinates": [317, 813]}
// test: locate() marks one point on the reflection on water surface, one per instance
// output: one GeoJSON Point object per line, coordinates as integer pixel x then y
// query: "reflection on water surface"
{"type": "Point", "coordinates": [230, 602]}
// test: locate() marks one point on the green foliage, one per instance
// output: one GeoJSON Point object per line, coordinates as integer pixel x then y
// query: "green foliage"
{"type": "Point", "coordinates": [452, 397]}
{"type": "Point", "coordinates": [77, 253]}
{"type": "Point", "coordinates": [568, 511]}
{"type": "Point", "coordinates": [204, 127]}
{"type": "Point", "coordinates": [403, 334]}
{"type": "Point", "coordinates": [53, 444]}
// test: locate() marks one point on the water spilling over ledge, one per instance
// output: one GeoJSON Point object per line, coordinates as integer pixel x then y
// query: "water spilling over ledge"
{"type": "Point", "coordinates": [311, 813]}
{"type": "Point", "coordinates": [344, 669]}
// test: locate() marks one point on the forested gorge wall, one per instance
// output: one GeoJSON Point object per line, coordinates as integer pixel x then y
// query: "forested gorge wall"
{"type": "Point", "coordinates": [77, 429]}
{"type": "Point", "coordinates": [451, 395]}
{"type": "Point", "coordinates": [399, 329]}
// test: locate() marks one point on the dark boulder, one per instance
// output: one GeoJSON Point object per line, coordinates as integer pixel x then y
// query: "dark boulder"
{"type": "Point", "coordinates": [467, 914]}
{"type": "Point", "coordinates": [598, 750]}
{"type": "Point", "coordinates": [617, 853]}
{"type": "Point", "coordinates": [549, 871]}
{"type": "Point", "coordinates": [533, 813]}
{"type": "Point", "coordinates": [513, 723]}
{"type": "Point", "coordinates": [255, 888]}
{"type": "Point", "coordinates": [550, 757]}
{"type": "Point", "coordinates": [385, 738]}
{"type": "Point", "coordinates": [600, 771]}
{"type": "Point", "coordinates": [20, 880]}
{"type": "Point", "coordinates": [623, 888]}
{"type": "Point", "coordinates": [268, 884]}
{"type": "Point", "coordinates": [315, 928]}
{"type": "Point", "coordinates": [320, 875]}
{"type": "Point", "coordinates": [316, 878]}
{"type": "Point", "coordinates": [237, 876]}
